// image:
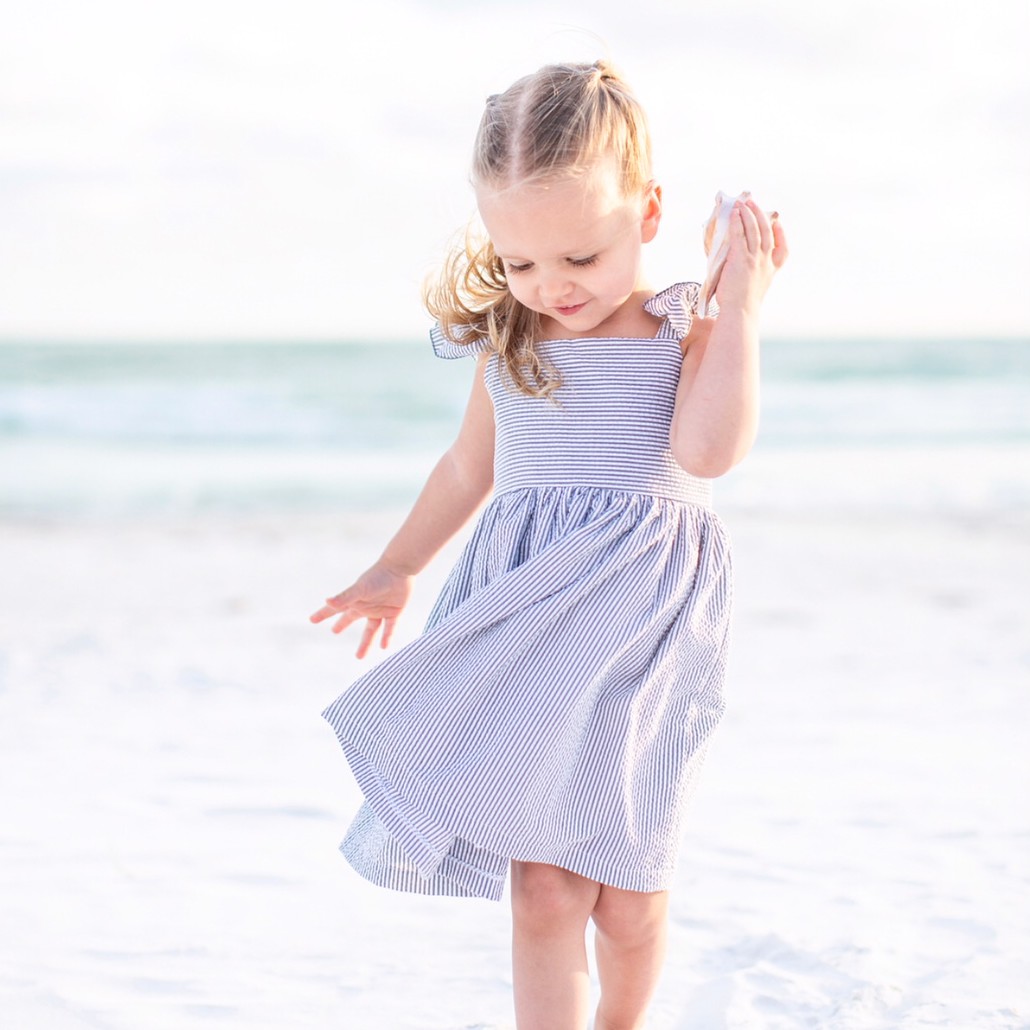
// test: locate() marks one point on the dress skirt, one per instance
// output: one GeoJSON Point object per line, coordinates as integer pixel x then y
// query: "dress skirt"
{"type": "Point", "coordinates": [560, 700]}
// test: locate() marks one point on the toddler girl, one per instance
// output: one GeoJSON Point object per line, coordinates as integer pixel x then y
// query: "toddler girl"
{"type": "Point", "coordinates": [552, 715]}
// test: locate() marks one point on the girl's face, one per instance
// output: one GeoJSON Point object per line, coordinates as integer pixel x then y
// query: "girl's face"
{"type": "Point", "coordinates": [571, 248]}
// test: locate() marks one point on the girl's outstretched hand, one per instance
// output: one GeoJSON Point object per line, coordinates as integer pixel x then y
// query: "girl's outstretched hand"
{"type": "Point", "coordinates": [378, 596]}
{"type": "Point", "coordinates": [757, 249]}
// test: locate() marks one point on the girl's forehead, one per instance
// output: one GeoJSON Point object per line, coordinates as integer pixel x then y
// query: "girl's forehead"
{"type": "Point", "coordinates": [542, 224]}
{"type": "Point", "coordinates": [588, 199]}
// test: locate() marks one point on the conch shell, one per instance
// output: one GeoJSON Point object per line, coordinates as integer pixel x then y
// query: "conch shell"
{"type": "Point", "coordinates": [717, 246]}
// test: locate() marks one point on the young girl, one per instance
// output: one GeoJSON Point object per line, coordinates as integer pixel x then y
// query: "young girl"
{"type": "Point", "coordinates": [553, 713]}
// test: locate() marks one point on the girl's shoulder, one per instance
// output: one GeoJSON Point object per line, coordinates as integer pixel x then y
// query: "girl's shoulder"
{"type": "Point", "coordinates": [468, 342]}
{"type": "Point", "coordinates": [677, 305]}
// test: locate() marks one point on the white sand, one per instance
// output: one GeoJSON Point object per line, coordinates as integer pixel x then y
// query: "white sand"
{"type": "Point", "coordinates": [172, 802]}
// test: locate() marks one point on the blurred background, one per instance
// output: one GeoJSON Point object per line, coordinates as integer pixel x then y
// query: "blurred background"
{"type": "Point", "coordinates": [219, 173]}
{"type": "Point", "coordinates": [217, 169]}
{"type": "Point", "coordinates": [217, 398]}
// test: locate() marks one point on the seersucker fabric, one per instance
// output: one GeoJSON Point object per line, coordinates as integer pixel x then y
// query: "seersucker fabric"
{"type": "Point", "coordinates": [560, 700]}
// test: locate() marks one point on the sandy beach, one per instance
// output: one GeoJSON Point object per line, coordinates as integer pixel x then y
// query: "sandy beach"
{"type": "Point", "coordinates": [857, 849]}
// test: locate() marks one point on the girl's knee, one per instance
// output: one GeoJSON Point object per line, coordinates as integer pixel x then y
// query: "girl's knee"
{"type": "Point", "coordinates": [547, 895]}
{"type": "Point", "coordinates": [631, 918]}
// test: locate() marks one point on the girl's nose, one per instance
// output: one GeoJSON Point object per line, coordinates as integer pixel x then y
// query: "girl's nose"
{"type": "Point", "coordinates": [553, 289]}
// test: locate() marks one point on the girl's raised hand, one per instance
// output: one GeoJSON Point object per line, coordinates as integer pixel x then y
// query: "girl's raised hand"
{"type": "Point", "coordinates": [757, 249]}
{"type": "Point", "coordinates": [378, 596]}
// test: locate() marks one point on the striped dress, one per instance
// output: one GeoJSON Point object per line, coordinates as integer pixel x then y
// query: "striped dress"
{"type": "Point", "coordinates": [560, 699]}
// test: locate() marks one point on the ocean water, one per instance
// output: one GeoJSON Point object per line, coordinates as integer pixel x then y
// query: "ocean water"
{"type": "Point", "coordinates": [140, 430]}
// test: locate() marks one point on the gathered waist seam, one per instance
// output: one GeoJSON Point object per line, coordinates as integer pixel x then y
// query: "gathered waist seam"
{"type": "Point", "coordinates": [701, 498]}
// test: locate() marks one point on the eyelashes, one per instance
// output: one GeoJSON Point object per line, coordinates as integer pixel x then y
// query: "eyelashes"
{"type": "Point", "coordinates": [575, 262]}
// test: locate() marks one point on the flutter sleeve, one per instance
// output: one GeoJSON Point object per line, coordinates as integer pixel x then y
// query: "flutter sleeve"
{"type": "Point", "coordinates": [677, 304]}
{"type": "Point", "coordinates": [445, 347]}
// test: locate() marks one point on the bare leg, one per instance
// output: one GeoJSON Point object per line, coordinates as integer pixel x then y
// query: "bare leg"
{"type": "Point", "coordinates": [630, 946]}
{"type": "Point", "coordinates": [550, 908]}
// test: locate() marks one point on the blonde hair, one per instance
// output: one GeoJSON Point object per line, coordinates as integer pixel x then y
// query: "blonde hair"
{"type": "Point", "coordinates": [559, 122]}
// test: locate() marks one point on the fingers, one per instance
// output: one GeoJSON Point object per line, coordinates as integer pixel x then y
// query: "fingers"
{"type": "Point", "coordinates": [333, 606]}
{"type": "Point", "coordinates": [323, 613]}
{"type": "Point", "coordinates": [367, 636]}
{"type": "Point", "coordinates": [758, 248]}
{"type": "Point", "coordinates": [744, 230]}
{"type": "Point", "coordinates": [378, 596]}
{"type": "Point", "coordinates": [345, 620]}
{"type": "Point", "coordinates": [764, 225]}
{"type": "Point", "coordinates": [349, 617]}
{"type": "Point", "coordinates": [780, 249]}
{"type": "Point", "coordinates": [757, 227]}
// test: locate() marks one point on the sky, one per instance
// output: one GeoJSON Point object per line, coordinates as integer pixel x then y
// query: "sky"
{"type": "Point", "coordinates": [208, 169]}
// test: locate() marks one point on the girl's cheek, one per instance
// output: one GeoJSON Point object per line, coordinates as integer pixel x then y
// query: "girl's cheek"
{"type": "Point", "coordinates": [519, 290]}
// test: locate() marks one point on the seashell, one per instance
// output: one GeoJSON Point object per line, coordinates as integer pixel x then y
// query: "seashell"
{"type": "Point", "coordinates": [717, 246]}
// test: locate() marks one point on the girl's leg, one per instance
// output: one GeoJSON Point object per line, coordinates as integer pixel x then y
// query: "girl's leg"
{"type": "Point", "coordinates": [550, 908]}
{"type": "Point", "coordinates": [630, 946]}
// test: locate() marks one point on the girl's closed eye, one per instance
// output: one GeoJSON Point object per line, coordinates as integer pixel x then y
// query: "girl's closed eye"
{"type": "Point", "coordinates": [511, 266]}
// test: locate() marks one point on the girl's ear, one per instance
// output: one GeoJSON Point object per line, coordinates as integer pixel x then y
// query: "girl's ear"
{"type": "Point", "coordinates": [652, 212]}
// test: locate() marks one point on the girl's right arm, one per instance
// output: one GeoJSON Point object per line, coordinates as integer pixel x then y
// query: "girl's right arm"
{"type": "Point", "coordinates": [455, 489]}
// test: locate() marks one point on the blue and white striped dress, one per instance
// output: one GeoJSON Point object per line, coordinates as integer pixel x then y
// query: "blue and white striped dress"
{"type": "Point", "coordinates": [571, 672]}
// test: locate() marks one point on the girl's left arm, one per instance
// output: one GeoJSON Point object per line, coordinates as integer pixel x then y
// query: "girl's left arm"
{"type": "Point", "coordinates": [716, 415]}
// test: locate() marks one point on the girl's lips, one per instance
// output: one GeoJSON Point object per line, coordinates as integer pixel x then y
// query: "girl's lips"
{"type": "Point", "coordinates": [571, 310]}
